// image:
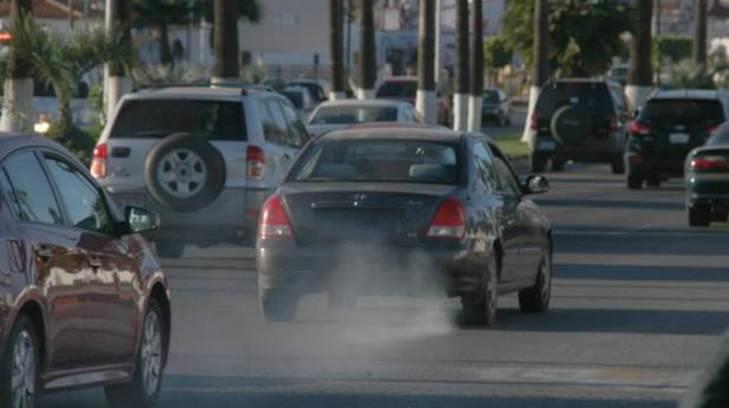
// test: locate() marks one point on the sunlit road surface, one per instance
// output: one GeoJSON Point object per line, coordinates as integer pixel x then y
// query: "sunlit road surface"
{"type": "Point", "coordinates": [639, 303]}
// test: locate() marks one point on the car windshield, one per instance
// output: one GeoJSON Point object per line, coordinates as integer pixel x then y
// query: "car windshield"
{"type": "Point", "coordinates": [397, 89]}
{"type": "Point", "coordinates": [590, 95]}
{"type": "Point", "coordinates": [347, 115]}
{"type": "Point", "coordinates": [314, 89]}
{"type": "Point", "coordinates": [157, 118]}
{"type": "Point", "coordinates": [491, 97]}
{"type": "Point", "coordinates": [400, 161]}
{"type": "Point", "coordinates": [296, 98]}
{"type": "Point", "coordinates": [684, 111]}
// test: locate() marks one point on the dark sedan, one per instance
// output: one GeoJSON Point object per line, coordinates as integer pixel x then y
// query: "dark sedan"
{"type": "Point", "coordinates": [707, 180]}
{"type": "Point", "coordinates": [373, 209]}
{"type": "Point", "coordinates": [83, 301]}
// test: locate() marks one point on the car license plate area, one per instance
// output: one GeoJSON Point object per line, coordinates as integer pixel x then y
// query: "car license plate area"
{"type": "Point", "coordinates": [546, 145]}
{"type": "Point", "coordinates": [679, 138]}
{"type": "Point", "coordinates": [353, 224]}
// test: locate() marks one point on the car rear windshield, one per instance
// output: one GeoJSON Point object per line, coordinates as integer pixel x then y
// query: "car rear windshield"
{"type": "Point", "coordinates": [395, 161]}
{"type": "Point", "coordinates": [720, 137]}
{"type": "Point", "coordinates": [157, 118]}
{"type": "Point", "coordinates": [594, 96]}
{"type": "Point", "coordinates": [490, 97]}
{"type": "Point", "coordinates": [343, 115]}
{"type": "Point", "coordinates": [296, 98]}
{"type": "Point", "coordinates": [398, 89]}
{"type": "Point", "coordinates": [684, 111]}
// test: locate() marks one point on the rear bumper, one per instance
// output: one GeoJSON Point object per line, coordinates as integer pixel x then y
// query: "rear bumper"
{"type": "Point", "coordinates": [708, 189]}
{"type": "Point", "coordinates": [369, 269]}
{"type": "Point", "coordinates": [591, 150]}
{"type": "Point", "coordinates": [661, 166]}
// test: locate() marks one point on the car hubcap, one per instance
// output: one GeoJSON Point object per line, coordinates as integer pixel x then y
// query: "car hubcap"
{"type": "Point", "coordinates": [151, 354]}
{"type": "Point", "coordinates": [23, 373]}
{"type": "Point", "coordinates": [182, 173]}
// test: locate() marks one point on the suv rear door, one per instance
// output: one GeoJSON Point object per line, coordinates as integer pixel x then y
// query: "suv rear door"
{"type": "Point", "coordinates": [283, 138]}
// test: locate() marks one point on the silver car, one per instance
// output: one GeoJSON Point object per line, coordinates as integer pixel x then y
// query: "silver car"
{"type": "Point", "coordinates": [205, 159]}
{"type": "Point", "coordinates": [337, 115]}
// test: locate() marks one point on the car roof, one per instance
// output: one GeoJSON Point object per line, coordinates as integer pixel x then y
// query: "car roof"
{"type": "Point", "coordinates": [392, 131]}
{"type": "Point", "coordinates": [686, 94]}
{"type": "Point", "coordinates": [400, 79]}
{"type": "Point", "coordinates": [197, 92]}
{"type": "Point", "coordinates": [364, 102]}
{"type": "Point", "coordinates": [13, 141]}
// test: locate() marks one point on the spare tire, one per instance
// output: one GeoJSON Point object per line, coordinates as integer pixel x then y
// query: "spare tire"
{"type": "Point", "coordinates": [571, 125]}
{"type": "Point", "coordinates": [184, 173]}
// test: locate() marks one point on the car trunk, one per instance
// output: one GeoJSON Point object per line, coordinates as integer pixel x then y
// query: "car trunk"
{"type": "Point", "coordinates": [712, 180]}
{"type": "Point", "coordinates": [386, 213]}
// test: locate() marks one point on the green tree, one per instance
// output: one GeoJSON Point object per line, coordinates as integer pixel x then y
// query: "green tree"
{"type": "Point", "coordinates": [497, 52]}
{"type": "Point", "coordinates": [583, 35]}
{"type": "Point", "coordinates": [674, 47]}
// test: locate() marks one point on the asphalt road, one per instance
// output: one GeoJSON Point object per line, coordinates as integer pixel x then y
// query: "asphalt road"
{"type": "Point", "coordinates": [639, 302]}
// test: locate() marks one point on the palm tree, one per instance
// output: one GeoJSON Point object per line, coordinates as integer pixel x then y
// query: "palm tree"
{"type": "Point", "coordinates": [18, 102]}
{"type": "Point", "coordinates": [460, 96]}
{"type": "Point", "coordinates": [117, 82]}
{"type": "Point", "coordinates": [426, 98]}
{"type": "Point", "coordinates": [541, 62]}
{"type": "Point", "coordinates": [699, 43]}
{"type": "Point", "coordinates": [476, 99]}
{"type": "Point", "coordinates": [225, 42]}
{"type": "Point", "coordinates": [640, 73]}
{"type": "Point", "coordinates": [335, 42]}
{"type": "Point", "coordinates": [367, 60]}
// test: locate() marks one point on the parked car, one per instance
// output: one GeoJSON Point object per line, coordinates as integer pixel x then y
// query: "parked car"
{"type": "Point", "coordinates": [670, 125]}
{"type": "Point", "coordinates": [203, 158]}
{"type": "Point", "coordinates": [84, 301]}
{"type": "Point", "coordinates": [707, 180]}
{"type": "Point", "coordinates": [581, 120]}
{"type": "Point", "coordinates": [496, 107]}
{"type": "Point", "coordinates": [301, 99]}
{"type": "Point", "coordinates": [316, 88]}
{"type": "Point", "coordinates": [416, 204]}
{"type": "Point", "coordinates": [342, 114]}
{"type": "Point", "coordinates": [405, 88]}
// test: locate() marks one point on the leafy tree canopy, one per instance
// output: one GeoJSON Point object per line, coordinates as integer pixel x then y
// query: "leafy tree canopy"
{"type": "Point", "coordinates": [497, 52]}
{"type": "Point", "coordinates": [584, 35]}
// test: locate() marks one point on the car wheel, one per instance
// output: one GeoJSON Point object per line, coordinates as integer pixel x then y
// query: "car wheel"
{"type": "Point", "coordinates": [144, 389]}
{"type": "Point", "coordinates": [558, 165]}
{"type": "Point", "coordinates": [170, 249]}
{"type": "Point", "coordinates": [634, 181]}
{"type": "Point", "coordinates": [537, 162]}
{"type": "Point", "coordinates": [617, 165]}
{"type": "Point", "coordinates": [536, 299]}
{"type": "Point", "coordinates": [277, 307]}
{"type": "Point", "coordinates": [184, 173]}
{"type": "Point", "coordinates": [20, 366]}
{"type": "Point", "coordinates": [699, 216]}
{"type": "Point", "coordinates": [482, 308]}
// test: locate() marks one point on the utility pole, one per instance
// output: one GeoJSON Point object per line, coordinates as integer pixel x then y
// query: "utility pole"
{"type": "Point", "coordinates": [436, 59]}
{"type": "Point", "coordinates": [18, 101]}
{"type": "Point", "coordinates": [640, 73]}
{"type": "Point", "coordinates": [367, 51]}
{"type": "Point", "coordinates": [475, 102]}
{"type": "Point", "coordinates": [541, 67]}
{"type": "Point", "coordinates": [116, 83]}
{"type": "Point", "coordinates": [335, 44]}
{"type": "Point", "coordinates": [460, 96]}
{"type": "Point", "coordinates": [425, 100]}
{"type": "Point", "coordinates": [698, 54]}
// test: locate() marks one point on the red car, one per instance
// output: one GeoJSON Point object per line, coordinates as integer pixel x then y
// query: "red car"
{"type": "Point", "coordinates": [83, 301]}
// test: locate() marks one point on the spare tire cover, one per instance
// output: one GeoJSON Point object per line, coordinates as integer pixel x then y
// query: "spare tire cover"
{"type": "Point", "coordinates": [184, 173]}
{"type": "Point", "coordinates": [571, 124]}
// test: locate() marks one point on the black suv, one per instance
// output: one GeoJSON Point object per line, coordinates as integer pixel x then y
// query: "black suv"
{"type": "Point", "coordinates": [578, 119]}
{"type": "Point", "coordinates": [671, 124]}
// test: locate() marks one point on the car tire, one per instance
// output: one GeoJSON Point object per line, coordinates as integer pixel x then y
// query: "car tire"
{"type": "Point", "coordinates": [536, 298]}
{"type": "Point", "coordinates": [170, 249]}
{"type": "Point", "coordinates": [188, 160]}
{"type": "Point", "coordinates": [144, 389]}
{"type": "Point", "coordinates": [277, 307]}
{"type": "Point", "coordinates": [699, 216]}
{"type": "Point", "coordinates": [481, 308]}
{"type": "Point", "coordinates": [558, 165]}
{"type": "Point", "coordinates": [634, 181]}
{"type": "Point", "coordinates": [537, 162]}
{"type": "Point", "coordinates": [23, 345]}
{"type": "Point", "coordinates": [617, 165]}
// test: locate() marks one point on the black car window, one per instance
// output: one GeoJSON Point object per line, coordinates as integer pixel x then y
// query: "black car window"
{"type": "Point", "coordinates": [297, 131]}
{"type": "Point", "coordinates": [296, 98]}
{"type": "Point", "coordinates": [484, 166]}
{"type": "Point", "coordinates": [379, 160]}
{"type": "Point", "coordinates": [591, 95]}
{"type": "Point", "coordinates": [684, 111]}
{"type": "Point", "coordinates": [491, 96]}
{"type": "Point", "coordinates": [397, 89]}
{"type": "Point", "coordinates": [158, 118]}
{"type": "Point", "coordinates": [274, 127]}
{"type": "Point", "coordinates": [315, 90]}
{"type": "Point", "coordinates": [28, 191]}
{"type": "Point", "coordinates": [85, 206]}
{"type": "Point", "coordinates": [507, 182]}
{"type": "Point", "coordinates": [350, 114]}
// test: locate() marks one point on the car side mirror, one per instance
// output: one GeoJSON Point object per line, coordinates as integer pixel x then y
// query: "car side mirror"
{"type": "Point", "coordinates": [535, 184]}
{"type": "Point", "coordinates": [141, 220]}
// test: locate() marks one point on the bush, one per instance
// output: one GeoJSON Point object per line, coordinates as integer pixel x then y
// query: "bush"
{"type": "Point", "coordinates": [78, 141]}
{"type": "Point", "coordinates": [687, 74]}
{"type": "Point", "coordinates": [674, 47]}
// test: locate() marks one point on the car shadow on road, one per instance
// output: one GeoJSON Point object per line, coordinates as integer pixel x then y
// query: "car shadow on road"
{"type": "Point", "coordinates": [612, 204]}
{"type": "Point", "coordinates": [674, 322]}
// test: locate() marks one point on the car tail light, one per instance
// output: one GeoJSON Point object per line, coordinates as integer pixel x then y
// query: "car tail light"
{"type": "Point", "coordinates": [256, 159]}
{"type": "Point", "coordinates": [449, 220]}
{"type": "Point", "coordinates": [274, 222]}
{"type": "Point", "coordinates": [709, 163]}
{"type": "Point", "coordinates": [534, 121]}
{"type": "Point", "coordinates": [98, 162]}
{"type": "Point", "coordinates": [638, 128]}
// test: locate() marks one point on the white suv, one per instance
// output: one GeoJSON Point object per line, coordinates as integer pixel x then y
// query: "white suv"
{"type": "Point", "coordinates": [204, 158]}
